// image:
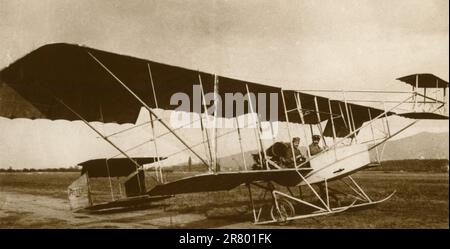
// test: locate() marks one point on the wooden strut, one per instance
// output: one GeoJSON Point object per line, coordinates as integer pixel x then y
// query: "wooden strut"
{"type": "Point", "coordinates": [215, 132]}
{"type": "Point", "coordinates": [353, 122]}
{"type": "Point", "coordinates": [153, 126]}
{"type": "Point", "coordinates": [240, 143]}
{"type": "Point", "coordinates": [342, 117]}
{"type": "Point", "coordinates": [373, 135]}
{"type": "Point", "coordinates": [298, 104]}
{"type": "Point", "coordinates": [386, 119]}
{"type": "Point", "coordinates": [346, 111]}
{"type": "Point", "coordinates": [110, 182]}
{"type": "Point", "coordinates": [202, 128]}
{"type": "Point", "coordinates": [251, 202]}
{"type": "Point", "coordinates": [207, 122]}
{"type": "Point", "coordinates": [319, 121]}
{"type": "Point", "coordinates": [333, 128]}
{"type": "Point", "coordinates": [332, 121]}
{"type": "Point", "coordinates": [148, 108]}
{"type": "Point", "coordinates": [258, 127]}
{"type": "Point", "coordinates": [158, 169]}
{"type": "Point", "coordinates": [288, 129]}
{"type": "Point", "coordinates": [416, 91]}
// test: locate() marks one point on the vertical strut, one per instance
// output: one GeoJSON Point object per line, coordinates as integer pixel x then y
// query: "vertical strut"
{"type": "Point", "coordinates": [318, 120]}
{"type": "Point", "coordinates": [373, 134]}
{"type": "Point", "coordinates": [158, 169]}
{"type": "Point", "coordinates": [216, 90]}
{"type": "Point", "coordinates": [240, 143]}
{"type": "Point", "coordinates": [207, 122]}
{"type": "Point", "coordinates": [416, 89]}
{"type": "Point", "coordinates": [258, 125]}
{"type": "Point", "coordinates": [386, 117]}
{"type": "Point", "coordinates": [202, 127]}
{"type": "Point", "coordinates": [298, 103]}
{"type": "Point", "coordinates": [288, 128]}
{"type": "Point", "coordinates": [109, 179]}
{"type": "Point", "coordinates": [332, 121]}
{"type": "Point", "coordinates": [353, 122]}
{"type": "Point", "coordinates": [156, 150]}
{"type": "Point", "coordinates": [251, 201]}
{"type": "Point", "coordinates": [346, 111]}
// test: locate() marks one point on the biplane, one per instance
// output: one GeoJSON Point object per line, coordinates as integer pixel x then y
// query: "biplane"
{"type": "Point", "coordinates": [73, 82]}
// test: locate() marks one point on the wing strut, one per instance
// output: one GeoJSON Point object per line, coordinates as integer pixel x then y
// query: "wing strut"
{"type": "Point", "coordinates": [298, 104]}
{"type": "Point", "coordinates": [240, 142]}
{"type": "Point", "coordinates": [319, 121]}
{"type": "Point", "coordinates": [206, 121]}
{"type": "Point", "coordinates": [157, 171]}
{"type": "Point", "coordinates": [258, 126]}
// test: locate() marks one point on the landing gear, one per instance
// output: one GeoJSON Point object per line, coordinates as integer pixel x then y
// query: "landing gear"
{"type": "Point", "coordinates": [286, 207]}
{"type": "Point", "coordinates": [284, 211]}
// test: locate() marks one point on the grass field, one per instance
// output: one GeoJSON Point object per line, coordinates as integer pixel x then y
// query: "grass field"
{"type": "Point", "coordinates": [421, 201]}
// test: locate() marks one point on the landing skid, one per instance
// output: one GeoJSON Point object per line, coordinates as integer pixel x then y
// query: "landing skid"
{"type": "Point", "coordinates": [283, 209]}
{"type": "Point", "coordinates": [304, 216]}
{"type": "Point", "coordinates": [362, 206]}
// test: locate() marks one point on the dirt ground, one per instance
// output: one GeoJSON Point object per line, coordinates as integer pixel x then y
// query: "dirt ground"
{"type": "Point", "coordinates": [421, 201]}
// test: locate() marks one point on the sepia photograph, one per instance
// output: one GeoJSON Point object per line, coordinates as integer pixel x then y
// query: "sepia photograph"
{"type": "Point", "coordinates": [224, 114]}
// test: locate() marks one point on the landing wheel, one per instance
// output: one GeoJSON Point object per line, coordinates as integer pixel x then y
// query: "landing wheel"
{"type": "Point", "coordinates": [286, 210]}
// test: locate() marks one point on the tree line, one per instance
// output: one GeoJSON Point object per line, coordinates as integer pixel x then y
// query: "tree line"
{"type": "Point", "coordinates": [67, 169]}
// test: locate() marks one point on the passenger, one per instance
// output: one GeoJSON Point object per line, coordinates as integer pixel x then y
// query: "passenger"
{"type": "Point", "coordinates": [315, 148]}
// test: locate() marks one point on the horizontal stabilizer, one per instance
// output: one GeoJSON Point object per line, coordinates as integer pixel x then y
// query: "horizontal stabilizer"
{"type": "Point", "coordinates": [114, 167]}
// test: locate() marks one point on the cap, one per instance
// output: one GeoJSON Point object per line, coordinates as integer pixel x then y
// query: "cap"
{"type": "Point", "coordinates": [315, 137]}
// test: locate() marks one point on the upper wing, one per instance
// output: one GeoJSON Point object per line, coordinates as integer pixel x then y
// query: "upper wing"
{"type": "Point", "coordinates": [34, 86]}
{"type": "Point", "coordinates": [44, 82]}
{"type": "Point", "coordinates": [424, 80]}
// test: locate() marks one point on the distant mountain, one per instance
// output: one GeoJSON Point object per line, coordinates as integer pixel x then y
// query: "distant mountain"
{"type": "Point", "coordinates": [425, 145]}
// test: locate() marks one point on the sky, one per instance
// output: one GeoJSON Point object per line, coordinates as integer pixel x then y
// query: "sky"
{"type": "Point", "coordinates": [305, 44]}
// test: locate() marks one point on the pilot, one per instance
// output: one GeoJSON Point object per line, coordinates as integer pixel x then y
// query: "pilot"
{"type": "Point", "coordinates": [288, 160]}
{"type": "Point", "coordinates": [315, 148]}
